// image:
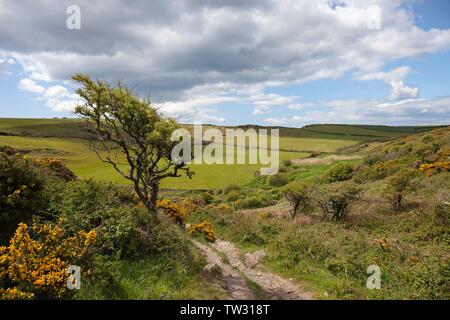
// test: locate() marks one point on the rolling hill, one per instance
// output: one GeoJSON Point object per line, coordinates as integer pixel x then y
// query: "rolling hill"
{"type": "Point", "coordinates": [67, 139]}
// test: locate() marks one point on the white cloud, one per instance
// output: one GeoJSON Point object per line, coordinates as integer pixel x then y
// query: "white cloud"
{"type": "Point", "coordinates": [59, 105]}
{"type": "Point", "coordinates": [395, 79]}
{"type": "Point", "coordinates": [29, 85]}
{"type": "Point", "coordinates": [195, 55]}
{"type": "Point", "coordinates": [213, 119]}
{"type": "Point", "coordinates": [56, 92]}
{"type": "Point", "coordinates": [263, 102]}
{"type": "Point", "coordinates": [58, 98]}
{"type": "Point", "coordinates": [40, 76]}
{"type": "Point", "coordinates": [277, 121]}
{"type": "Point", "coordinates": [384, 112]}
{"type": "Point", "coordinates": [295, 106]}
{"type": "Point", "coordinates": [7, 61]}
{"type": "Point", "coordinates": [176, 46]}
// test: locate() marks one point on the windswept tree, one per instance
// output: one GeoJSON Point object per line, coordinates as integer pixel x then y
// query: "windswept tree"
{"type": "Point", "coordinates": [336, 199]}
{"type": "Point", "coordinates": [399, 186]}
{"type": "Point", "coordinates": [298, 196]}
{"type": "Point", "coordinates": [131, 136]}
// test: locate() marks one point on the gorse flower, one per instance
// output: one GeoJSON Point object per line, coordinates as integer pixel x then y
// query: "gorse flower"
{"type": "Point", "coordinates": [15, 294]}
{"type": "Point", "coordinates": [431, 169]}
{"type": "Point", "coordinates": [37, 258]}
{"type": "Point", "coordinates": [204, 228]}
{"type": "Point", "coordinates": [173, 210]}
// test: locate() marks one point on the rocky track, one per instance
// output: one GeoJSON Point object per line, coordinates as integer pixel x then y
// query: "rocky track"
{"type": "Point", "coordinates": [236, 274]}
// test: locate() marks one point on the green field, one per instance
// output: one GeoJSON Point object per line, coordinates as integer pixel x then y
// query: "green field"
{"type": "Point", "coordinates": [65, 139]}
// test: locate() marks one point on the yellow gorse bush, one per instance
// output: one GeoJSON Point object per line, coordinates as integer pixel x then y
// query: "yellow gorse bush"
{"type": "Point", "coordinates": [15, 294]}
{"type": "Point", "coordinates": [431, 169]}
{"type": "Point", "coordinates": [204, 228]}
{"type": "Point", "coordinates": [175, 211]}
{"type": "Point", "coordinates": [57, 167]}
{"type": "Point", "coordinates": [48, 162]}
{"type": "Point", "coordinates": [37, 258]}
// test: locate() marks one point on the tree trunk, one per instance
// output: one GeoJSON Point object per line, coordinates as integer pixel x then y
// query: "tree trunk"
{"type": "Point", "coordinates": [153, 198]}
{"type": "Point", "coordinates": [398, 201]}
{"type": "Point", "coordinates": [149, 202]}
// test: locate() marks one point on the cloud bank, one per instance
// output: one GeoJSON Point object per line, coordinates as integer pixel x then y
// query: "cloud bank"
{"type": "Point", "coordinates": [194, 55]}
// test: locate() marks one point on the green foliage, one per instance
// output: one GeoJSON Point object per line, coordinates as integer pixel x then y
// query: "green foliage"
{"type": "Point", "coordinates": [287, 163]}
{"type": "Point", "coordinates": [339, 172]}
{"type": "Point", "coordinates": [299, 196]}
{"type": "Point", "coordinates": [376, 171]}
{"type": "Point", "coordinates": [259, 200]}
{"type": "Point", "coordinates": [89, 205]}
{"type": "Point", "coordinates": [277, 180]}
{"type": "Point", "coordinates": [233, 196]}
{"type": "Point", "coordinates": [156, 277]}
{"type": "Point", "coordinates": [229, 188]}
{"type": "Point", "coordinates": [399, 186]}
{"type": "Point", "coordinates": [21, 193]}
{"type": "Point", "coordinates": [207, 197]}
{"type": "Point", "coordinates": [7, 150]}
{"type": "Point", "coordinates": [335, 199]}
{"type": "Point", "coordinates": [336, 258]}
{"type": "Point", "coordinates": [56, 169]}
{"type": "Point", "coordinates": [442, 214]}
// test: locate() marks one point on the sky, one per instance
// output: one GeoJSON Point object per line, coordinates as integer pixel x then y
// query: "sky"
{"type": "Point", "coordinates": [231, 62]}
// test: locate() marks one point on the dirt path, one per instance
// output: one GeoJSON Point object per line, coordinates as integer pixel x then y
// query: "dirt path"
{"type": "Point", "coordinates": [232, 281]}
{"type": "Point", "coordinates": [235, 274]}
{"type": "Point", "coordinates": [325, 160]}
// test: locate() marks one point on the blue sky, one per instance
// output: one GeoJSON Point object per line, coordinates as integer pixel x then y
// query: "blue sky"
{"type": "Point", "coordinates": [266, 62]}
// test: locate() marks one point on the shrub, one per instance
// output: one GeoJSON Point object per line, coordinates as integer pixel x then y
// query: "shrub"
{"type": "Point", "coordinates": [204, 229]}
{"type": "Point", "coordinates": [287, 163]}
{"type": "Point", "coordinates": [21, 193]}
{"type": "Point", "coordinates": [339, 172]}
{"type": "Point", "coordinates": [298, 195]}
{"type": "Point", "coordinates": [282, 169]}
{"type": "Point", "coordinates": [89, 205]}
{"type": "Point", "coordinates": [89, 196]}
{"type": "Point", "coordinates": [377, 171]}
{"type": "Point", "coordinates": [163, 237]}
{"type": "Point", "coordinates": [7, 150]}
{"type": "Point", "coordinates": [277, 180]}
{"type": "Point", "coordinates": [35, 262]}
{"type": "Point", "coordinates": [442, 214]}
{"type": "Point", "coordinates": [335, 199]}
{"type": "Point", "coordinates": [55, 168]}
{"type": "Point", "coordinates": [431, 169]}
{"type": "Point", "coordinates": [257, 201]}
{"type": "Point", "coordinates": [175, 212]}
{"type": "Point", "coordinates": [370, 160]}
{"type": "Point", "coordinates": [229, 188]}
{"type": "Point", "coordinates": [233, 196]}
{"type": "Point", "coordinates": [398, 186]}
{"type": "Point", "coordinates": [207, 197]}
{"type": "Point", "coordinates": [15, 294]}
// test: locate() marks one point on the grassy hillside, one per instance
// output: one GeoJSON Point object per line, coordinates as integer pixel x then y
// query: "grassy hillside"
{"type": "Point", "coordinates": [55, 128]}
{"type": "Point", "coordinates": [354, 132]}
{"type": "Point", "coordinates": [66, 139]}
